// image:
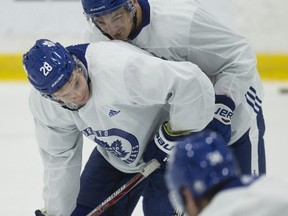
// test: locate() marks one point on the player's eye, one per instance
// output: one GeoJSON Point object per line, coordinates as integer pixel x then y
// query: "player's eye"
{"type": "Point", "coordinates": [117, 17]}
{"type": "Point", "coordinates": [100, 23]}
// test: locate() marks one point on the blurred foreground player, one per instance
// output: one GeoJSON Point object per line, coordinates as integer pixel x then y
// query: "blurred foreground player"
{"type": "Point", "coordinates": [203, 179]}
{"type": "Point", "coordinates": [130, 103]}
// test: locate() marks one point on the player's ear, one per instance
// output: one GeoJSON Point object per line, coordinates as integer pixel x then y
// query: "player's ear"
{"type": "Point", "coordinates": [189, 202]}
{"type": "Point", "coordinates": [135, 2]}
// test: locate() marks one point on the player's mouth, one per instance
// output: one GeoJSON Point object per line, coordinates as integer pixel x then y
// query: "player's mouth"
{"type": "Point", "coordinates": [117, 36]}
{"type": "Point", "coordinates": [120, 35]}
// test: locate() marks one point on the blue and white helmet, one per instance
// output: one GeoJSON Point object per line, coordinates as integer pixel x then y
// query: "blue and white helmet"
{"type": "Point", "coordinates": [48, 66]}
{"type": "Point", "coordinates": [199, 163]}
{"type": "Point", "coordinates": [102, 7]}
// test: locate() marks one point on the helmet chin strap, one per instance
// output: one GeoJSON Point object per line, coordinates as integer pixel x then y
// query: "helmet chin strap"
{"type": "Point", "coordinates": [133, 29]}
{"type": "Point", "coordinates": [69, 106]}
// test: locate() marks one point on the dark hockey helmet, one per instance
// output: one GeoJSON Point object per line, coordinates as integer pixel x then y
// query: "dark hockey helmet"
{"type": "Point", "coordinates": [102, 7]}
{"type": "Point", "coordinates": [199, 163]}
{"type": "Point", "coordinates": [48, 66]}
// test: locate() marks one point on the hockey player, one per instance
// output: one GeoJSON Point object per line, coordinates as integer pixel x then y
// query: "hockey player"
{"type": "Point", "coordinates": [120, 97]}
{"type": "Point", "coordinates": [180, 30]}
{"type": "Point", "coordinates": [203, 179]}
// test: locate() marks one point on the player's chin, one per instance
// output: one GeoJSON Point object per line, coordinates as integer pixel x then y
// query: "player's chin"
{"type": "Point", "coordinates": [83, 100]}
{"type": "Point", "coordinates": [120, 36]}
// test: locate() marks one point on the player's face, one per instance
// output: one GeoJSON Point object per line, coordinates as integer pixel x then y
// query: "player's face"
{"type": "Point", "coordinates": [76, 90]}
{"type": "Point", "coordinates": [117, 24]}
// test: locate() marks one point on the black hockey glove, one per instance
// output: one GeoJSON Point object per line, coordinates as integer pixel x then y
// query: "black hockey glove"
{"type": "Point", "coordinates": [162, 145]}
{"type": "Point", "coordinates": [41, 212]}
{"type": "Point", "coordinates": [221, 122]}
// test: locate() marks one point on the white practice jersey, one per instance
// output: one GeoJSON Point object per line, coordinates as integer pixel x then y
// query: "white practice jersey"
{"type": "Point", "coordinates": [180, 30]}
{"type": "Point", "coordinates": [267, 196]}
{"type": "Point", "coordinates": [132, 94]}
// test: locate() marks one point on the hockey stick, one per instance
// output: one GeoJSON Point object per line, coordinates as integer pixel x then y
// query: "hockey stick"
{"type": "Point", "coordinates": [124, 189]}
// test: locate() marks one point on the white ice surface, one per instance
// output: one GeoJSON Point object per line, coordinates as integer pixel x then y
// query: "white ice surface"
{"type": "Point", "coordinates": [20, 163]}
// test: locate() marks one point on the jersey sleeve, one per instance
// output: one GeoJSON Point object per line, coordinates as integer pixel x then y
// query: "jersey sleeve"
{"type": "Point", "coordinates": [182, 86]}
{"type": "Point", "coordinates": [60, 146]}
{"type": "Point", "coordinates": [224, 55]}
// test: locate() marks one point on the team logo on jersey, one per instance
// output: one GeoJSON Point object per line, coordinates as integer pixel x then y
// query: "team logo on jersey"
{"type": "Point", "coordinates": [121, 144]}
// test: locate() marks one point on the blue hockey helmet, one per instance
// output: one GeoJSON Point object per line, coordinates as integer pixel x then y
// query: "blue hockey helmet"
{"type": "Point", "coordinates": [102, 7]}
{"type": "Point", "coordinates": [199, 163]}
{"type": "Point", "coordinates": [48, 66]}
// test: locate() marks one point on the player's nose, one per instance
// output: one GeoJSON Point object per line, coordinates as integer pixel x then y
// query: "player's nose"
{"type": "Point", "coordinates": [112, 29]}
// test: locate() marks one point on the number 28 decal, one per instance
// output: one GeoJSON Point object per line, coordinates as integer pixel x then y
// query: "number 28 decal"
{"type": "Point", "coordinates": [46, 68]}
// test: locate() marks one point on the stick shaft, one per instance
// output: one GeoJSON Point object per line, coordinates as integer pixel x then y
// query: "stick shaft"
{"type": "Point", "coordinates": [124, 189]}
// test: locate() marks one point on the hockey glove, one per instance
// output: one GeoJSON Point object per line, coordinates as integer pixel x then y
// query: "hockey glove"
{"type": "Point", "coordinates": [162, 145]}
{"type": "Point", "coordinates": [41, 212]}
{"type": "Point", "coordinates": [221, 122]}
